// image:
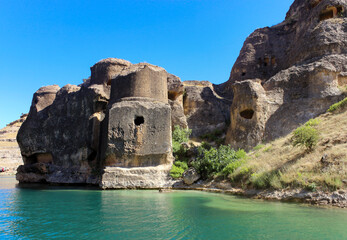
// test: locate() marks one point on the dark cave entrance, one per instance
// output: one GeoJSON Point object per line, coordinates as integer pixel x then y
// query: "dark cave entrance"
{"type": "Point", "coordinates": [247, 114]}
{"type": "Point", "coordinates": [139, 120]}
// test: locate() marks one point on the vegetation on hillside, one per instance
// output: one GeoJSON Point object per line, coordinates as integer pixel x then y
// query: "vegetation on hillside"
{"type": "Point", "coordinates": [320, 164]}
{"type": "Point", "coordinates": [180, 136]}
{"type": "Point", "coordinates": [312, 157]}
{"type": "Point", "coordinates": [338, 106]}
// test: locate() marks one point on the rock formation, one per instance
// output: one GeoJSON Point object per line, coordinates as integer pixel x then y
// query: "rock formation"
{"type": "Point", "coordinates": [205, 107]}
{"type": "Point", "coordinates": [113, 130]}
{"type": "Point", "coordinates": [117, 123]}
{"type": "Point", "coordinates": [10, 157]}
{"type": "Point", "coordinates": [288, 73]}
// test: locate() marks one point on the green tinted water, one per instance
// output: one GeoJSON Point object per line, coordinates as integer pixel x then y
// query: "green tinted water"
{"type": "Point", "coordinates": [92, 214]}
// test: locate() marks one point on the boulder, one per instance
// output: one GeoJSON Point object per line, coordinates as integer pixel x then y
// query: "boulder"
{"type": "Point", "coordinates": [190, 176]}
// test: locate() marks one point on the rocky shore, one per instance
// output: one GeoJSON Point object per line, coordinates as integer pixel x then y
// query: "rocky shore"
{"type": "Point", "coordinates": [318, 198]}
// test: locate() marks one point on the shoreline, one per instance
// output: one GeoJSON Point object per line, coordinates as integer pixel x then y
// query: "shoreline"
{"type": "Point", "coordinates": [334, 199]}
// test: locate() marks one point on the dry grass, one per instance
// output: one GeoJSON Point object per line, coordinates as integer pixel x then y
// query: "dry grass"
{"type": "Point", "coordinates": [8, 144]}
{"type": "Point", "coordinates": [280, 165]}
{"type": "Point", "coordinates": [11, 135]}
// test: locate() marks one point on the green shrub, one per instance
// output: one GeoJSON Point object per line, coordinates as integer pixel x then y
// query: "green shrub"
{"type": "Point", "coordinates": [311, 187]}
{"type": "Point", "coordinates": [275, 181]}
{"type": "Point", "coordinates": [176, 147]}
{"type": "Point", "coordinates": [313, 122]}
{"type": "Point", "coordinates": [260, 180]}
{"type": "Point", "coordinates": [267, 149]}
{"type": "Point", "coordinates": [182, 165]}
{"type": "Point", "coordinates": [213, 136]}
{"type": "Point", "coordinates": [176, 172]}
{"type": "Point", "coordinates": [181, 135]}
{"type": "Point", "coordinates": [333, 183]}
{"type": "Point", "coordinates": [305, 136]}
{"type": "Point", "coordinates": [231, 167]}
{"type": "Point", "coordinates": [212, 161]}
{"type": "Point", "coordinates": [338, 106]}
{"type": "Point", "coordinates": [205, 145]}
{"type": "Point", "coordinates": [258, 147]}
{"type": "Point", "coordinates": [263, 180]}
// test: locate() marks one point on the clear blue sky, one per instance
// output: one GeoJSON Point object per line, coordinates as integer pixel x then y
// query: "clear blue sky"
{"type": "Point", "coordinates": [45, 42]}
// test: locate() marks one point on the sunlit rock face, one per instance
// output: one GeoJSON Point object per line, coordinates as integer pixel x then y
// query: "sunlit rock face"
{"type": "Point", "coordinates": [138, 130]}
{"type": "Point", "coordinates": [117, 119]}
{"type": "Point", "coordinates": [300, 66]}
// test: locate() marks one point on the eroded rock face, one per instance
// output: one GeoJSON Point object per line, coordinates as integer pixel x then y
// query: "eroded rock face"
{"type": "Point", "coordinates": [248, 114]}
{"type": "Point", "coordinates": [62, 136]}
{"type": "Point", "coordinates": [302, 37]}
{"type": "Point", "coordinates": [118, 119]}
{"type": "Point", "coordinates": [175, 94]}
{"type": "Point", "coordinates": [205, 109]}
{"type": "Point", "coordinates": [299, 67]}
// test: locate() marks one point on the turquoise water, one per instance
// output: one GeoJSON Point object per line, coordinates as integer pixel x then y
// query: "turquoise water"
{"type": "Point", "coordinates": [62, 213]}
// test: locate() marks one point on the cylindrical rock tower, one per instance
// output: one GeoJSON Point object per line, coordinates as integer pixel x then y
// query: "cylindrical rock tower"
{"type": "Point", "coordinates": [137, 133]}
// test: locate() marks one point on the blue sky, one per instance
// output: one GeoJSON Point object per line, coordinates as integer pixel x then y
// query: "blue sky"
{"type": "Point", "coordinates": [45, 42]}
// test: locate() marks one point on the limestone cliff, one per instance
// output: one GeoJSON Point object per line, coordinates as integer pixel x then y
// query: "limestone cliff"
{"type": "Point", "coordinates": [113, 130]}
{"type": "Point", "coordinates": [117, 119]}
{"type": "Point", "coordinates": [288, 73]}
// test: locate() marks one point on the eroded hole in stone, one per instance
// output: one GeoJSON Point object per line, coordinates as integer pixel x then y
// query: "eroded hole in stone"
{"type": "Point", "coordinates": [30, 159]}
{"type": "Point", "coordinates": [243, 74]}
{"type": "Point", "coordinates": [248, 113]}
{"type": "Point", "coordinates": [340, 10]}
{"type": "Point", "coordinates": [92, 156]}
{"type": "Point", "coordinates": [273, 61]}
{"type": "Point", "coordinates": [139, 120]}
{"type": "Point", "coordinates": [172, 95]}
{"type": "Point", "coordinates": [331, 12]}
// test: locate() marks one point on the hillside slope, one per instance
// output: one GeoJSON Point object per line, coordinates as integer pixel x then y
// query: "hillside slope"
{"type": "Point", "coordinates": [280, 165]}
{"type": "Point", "coordinates": [10, 157]}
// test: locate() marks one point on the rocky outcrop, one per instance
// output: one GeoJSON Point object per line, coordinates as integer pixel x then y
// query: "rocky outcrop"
{"type": "Point", "coordinates": [175, 94]}
{"type": "Point", "coordinates": [298, 68]}
{"type": "Point", "coordinates": [10, 157]}
{"type": "Point", "coordinates": [117, 119]}
{"type": "Point", "coordinates": [205, 108]}
{"type": "Point", "coordinates": [121, 117]}
{"type": "Point", "coordinates": [190, 176]}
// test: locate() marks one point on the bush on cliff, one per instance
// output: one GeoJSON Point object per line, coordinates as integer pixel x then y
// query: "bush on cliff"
{"type": "Point", "coordinates": [222, 160]}
{"type": "Point", "coordinates": [338, 106]}
{"type": "Point", "coordinates": [179, 136]}
{"type": "Point", "coordinates": [305, 136]}
{"type": "Point", "coordinates": [178, 169]}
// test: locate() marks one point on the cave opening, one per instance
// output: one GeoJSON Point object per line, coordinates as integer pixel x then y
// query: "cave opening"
{"type": "Point", "coordinates": [331, 12]}
{"type": "Point", "coordinates": [247, 114]}
{"type": "Point", "coordinates": [139, 120]}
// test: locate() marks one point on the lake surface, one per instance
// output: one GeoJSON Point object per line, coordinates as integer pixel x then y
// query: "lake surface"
{"type": "Point", "coordinates": [61, 213]}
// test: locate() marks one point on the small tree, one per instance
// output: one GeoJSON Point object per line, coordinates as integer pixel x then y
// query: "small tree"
{"type": "Point", "coordinates": [305, 136]}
